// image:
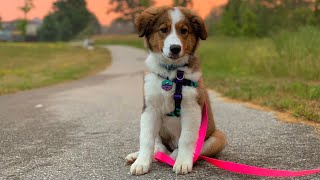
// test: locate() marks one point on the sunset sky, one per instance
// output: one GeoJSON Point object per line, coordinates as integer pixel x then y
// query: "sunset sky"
{"type": "Point", "coordinates": [9, 8]}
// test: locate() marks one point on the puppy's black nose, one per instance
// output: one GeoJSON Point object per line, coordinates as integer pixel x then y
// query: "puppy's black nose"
{"type": "Point", "coordinates": [175, 49]}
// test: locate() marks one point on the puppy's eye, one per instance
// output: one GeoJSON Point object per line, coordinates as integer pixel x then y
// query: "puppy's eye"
{"type": "Point", "coordinates": [164, 30]}
{"type": "Point", "coordinates": [184, 31]}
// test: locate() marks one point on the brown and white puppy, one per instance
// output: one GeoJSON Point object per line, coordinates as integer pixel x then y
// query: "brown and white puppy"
{"type": "Point", "coordinates": [172, 35]}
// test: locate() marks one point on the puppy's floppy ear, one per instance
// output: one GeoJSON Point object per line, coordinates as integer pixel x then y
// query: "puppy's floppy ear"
{"type": "Point", "coordinates": [147, 18]}
{"type": "Point", "coordinates": [199, 27]}
{"type": "Point", "coordinates": [142, 23]}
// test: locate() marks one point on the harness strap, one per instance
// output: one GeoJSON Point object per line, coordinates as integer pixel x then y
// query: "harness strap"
{"type": "Point", "coordinates": [187, 82]}
{"type": "Point", "coordinates": [180, 82]}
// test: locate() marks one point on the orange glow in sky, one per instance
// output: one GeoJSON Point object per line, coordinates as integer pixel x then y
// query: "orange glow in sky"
{"type": "Point", "coordinates": [9, 8]}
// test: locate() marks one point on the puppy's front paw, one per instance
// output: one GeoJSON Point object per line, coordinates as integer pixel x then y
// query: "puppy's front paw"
{"type": "Point", "coordinates": [139, 168]}
{"type": "Point", "coordinates": [182, 167]}
{"type": "Point", "coordinates": [132, 157]}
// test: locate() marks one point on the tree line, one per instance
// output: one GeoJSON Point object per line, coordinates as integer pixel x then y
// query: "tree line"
{"type": "Point", "coordinates": [263, 17]}
{"type": "Point", "coordinates": [68, 19]}
{"type": "Point", "coordinates": [71, 18]}
{"type": "Point", "coordinates": [257, 18]}
{"type": "Point", "coordinates": [129, 9]}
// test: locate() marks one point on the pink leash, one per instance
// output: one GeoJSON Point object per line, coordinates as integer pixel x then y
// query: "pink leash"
{"type": "Point", "coordinates": [231, 166]}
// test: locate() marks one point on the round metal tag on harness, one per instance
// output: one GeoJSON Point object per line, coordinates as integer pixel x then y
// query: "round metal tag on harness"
{"type": "Point", "coordinates": [167, 85]}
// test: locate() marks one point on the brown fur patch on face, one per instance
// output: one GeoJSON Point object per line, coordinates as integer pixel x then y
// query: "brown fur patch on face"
{"type": "Point", "coordinates": [190, 30]}
{"type": "Point", "coordinates": [187, 36]}
{"type": "Point", "coordinates": [196, 22]}
{"type": "Point", "coordinates": [154, 23]}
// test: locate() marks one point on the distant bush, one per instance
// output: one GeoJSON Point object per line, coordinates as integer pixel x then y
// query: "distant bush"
{"type": "Point", "coordinates": [67, 21]}
{"type": "Point", "coordinates": [264, 17]}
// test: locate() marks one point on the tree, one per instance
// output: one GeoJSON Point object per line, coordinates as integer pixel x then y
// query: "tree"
{"type": "Point", "coordinates": [93, 27]}
{"type": "Point", "coordinates": [129, 9]}
{"type": "Point", "coordinates": [297, 13]}
{"type": "Point", "coordinates": [26, 8]}
{"type": "Point", "coordinates": [0, 23]}
{"type": "Point", "coordinates": [68, 19]}
{"type": "Point", "coordinates": [183, 3]}
{"type": "Point", "coordinates": [248, 20]}
{"type": "Point", "coordinates": [22, 26]}
{"type": "Point", "coordinates": [230, 23]}
{"type": "Point", "coordinates": [316, 14]}
{"type": "Point", "coordinates": [49, 29]}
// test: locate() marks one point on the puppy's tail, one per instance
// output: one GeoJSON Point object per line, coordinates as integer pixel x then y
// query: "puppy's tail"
{"type": "Point", "coordinates": [214, 144]}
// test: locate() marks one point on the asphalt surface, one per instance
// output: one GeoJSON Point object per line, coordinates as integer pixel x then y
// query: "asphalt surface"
{"type": "Point", "coordinates": [85, 129]}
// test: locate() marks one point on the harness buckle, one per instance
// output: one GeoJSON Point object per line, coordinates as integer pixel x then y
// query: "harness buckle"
{"type": "Point", "coordinates": [180, 76]}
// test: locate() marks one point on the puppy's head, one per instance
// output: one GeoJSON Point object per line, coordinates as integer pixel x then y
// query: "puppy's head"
{"type": "Point", "coordinates": [172, 32]}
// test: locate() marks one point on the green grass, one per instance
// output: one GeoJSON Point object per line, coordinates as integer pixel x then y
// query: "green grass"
{"type": "Point", "coordinates": [282, 72]}
{"type": "Point", "coordinates": [30, 65]}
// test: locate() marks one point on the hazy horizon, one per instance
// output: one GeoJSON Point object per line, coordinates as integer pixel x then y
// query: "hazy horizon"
{"type": "Point", "coordinates": [9, 9]}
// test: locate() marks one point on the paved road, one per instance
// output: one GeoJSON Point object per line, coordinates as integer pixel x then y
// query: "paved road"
{"type": "Point", "coordinates": [84, 129]}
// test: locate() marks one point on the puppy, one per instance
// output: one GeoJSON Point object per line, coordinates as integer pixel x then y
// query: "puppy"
{"type": "Point", "coordinates": [172, 36]}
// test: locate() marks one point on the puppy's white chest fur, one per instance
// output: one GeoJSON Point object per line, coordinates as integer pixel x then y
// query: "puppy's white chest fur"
{"type": "Point", "coordinates": [162, 101]}
{"type": "Point", "coordinates": [156, 96]}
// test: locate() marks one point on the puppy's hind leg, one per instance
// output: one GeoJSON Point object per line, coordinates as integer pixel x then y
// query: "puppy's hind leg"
{"type": "Point", "coordinates": [174, 154]}
{"type": "Point", "coordinates": [159, 146]}
{"type": "Point", "coordinates": [214, 144]}
{"type": "Point", "coordinates": [132, 157]}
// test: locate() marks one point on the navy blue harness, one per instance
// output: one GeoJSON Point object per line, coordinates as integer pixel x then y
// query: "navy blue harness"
{"type": "Point", "coordinates": [177, 96]}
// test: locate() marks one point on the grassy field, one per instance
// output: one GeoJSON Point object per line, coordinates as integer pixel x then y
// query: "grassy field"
{"type": "Point", "coordinates": [282, 72]}
{"type": "Point", "coordinates": [26, 66]}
